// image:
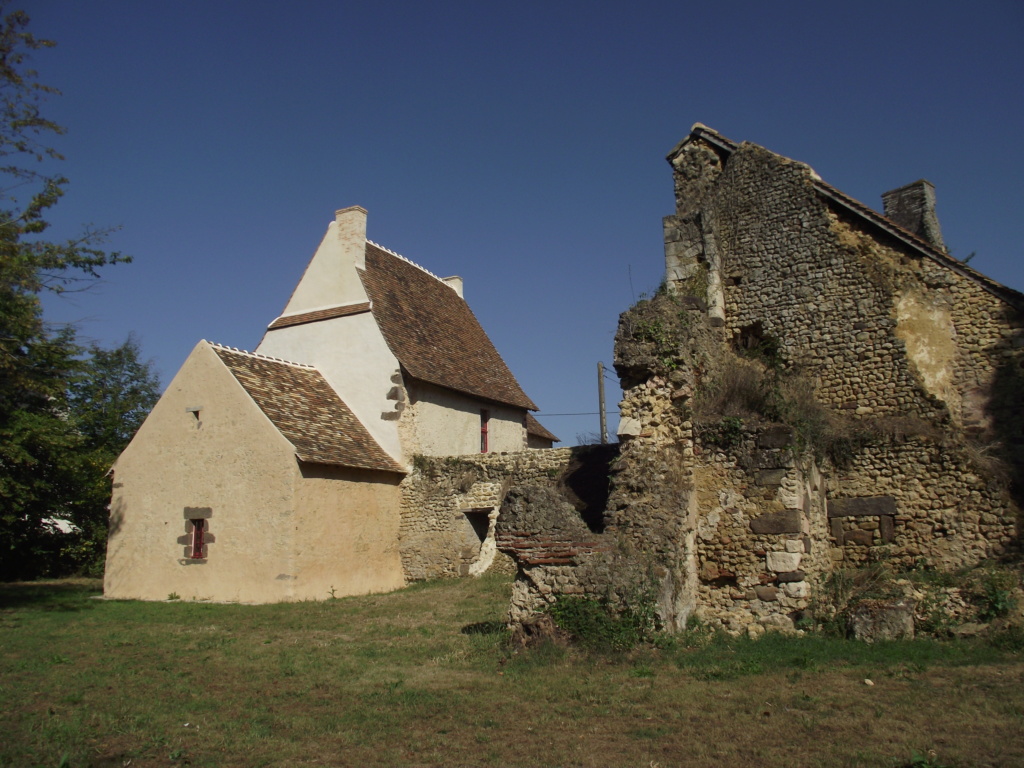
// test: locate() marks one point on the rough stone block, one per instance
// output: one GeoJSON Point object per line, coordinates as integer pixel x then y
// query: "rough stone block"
{"type": "Point", "coordinates": [861, 538]}
{"type": "Point", "coordinates": [872, 620]}
{"type": "Point", "coordinates": [796, 589]}
{"type": "Point", "coordinates": [778, 622]}
{"type": "Point", "coordinates": [781, 562]}
{"type": "Point", "coordinates": [863, 505]}
{"type": "Point", "coordinates": [788, 576]}
{"type": "Point", "coordinates": [787, 521]}
{"type": "Point", "coordinates": [795, 545]}
{"type": "Point", "coordinates": [888, 528]}
{"type": "Point", "coordinates": [768, 594]}
{"type": "Point", "coordinates": [776, 437]}
{"type": "Point", "coordinates": [770, 477]}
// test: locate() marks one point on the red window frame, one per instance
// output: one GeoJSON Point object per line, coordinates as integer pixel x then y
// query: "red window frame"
{"type": "Point", "coordinates": [485, 423]}
{"type": "Point", "coordinates": [198, 533]}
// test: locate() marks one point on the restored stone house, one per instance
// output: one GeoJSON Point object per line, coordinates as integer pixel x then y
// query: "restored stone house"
{"type": "Point", "coordinates": [277, 475]}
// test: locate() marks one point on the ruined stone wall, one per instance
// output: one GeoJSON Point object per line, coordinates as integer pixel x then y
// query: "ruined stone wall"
{"type": "Point", "coordinates": [888, 337]}
{"type": "Point", "coordinates": [789, 276]}
{"type": "Point", "coordinates": [762, 541]}
{"type": "Point", "coordinates": [946, 513]}
{"type": "Point", "coordinates": [450, 504]}
{"type": "Point", "coordinates": [897, 378]}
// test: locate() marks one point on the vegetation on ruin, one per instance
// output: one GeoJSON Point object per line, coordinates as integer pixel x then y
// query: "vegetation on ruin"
{"type": "Point", "coordinates": [982, 600]}
{"type": "Point", "coordinates": [427, 676]}
{"type": "Point", "coordinates": [610, 625]}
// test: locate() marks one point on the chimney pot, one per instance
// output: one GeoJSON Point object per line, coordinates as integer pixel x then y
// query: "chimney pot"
{"type": "Point", "coordinates": [913, 208]}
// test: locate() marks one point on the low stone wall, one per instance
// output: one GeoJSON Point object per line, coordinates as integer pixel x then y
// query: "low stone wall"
{"type": "Point", "coordinates": [450, 505]}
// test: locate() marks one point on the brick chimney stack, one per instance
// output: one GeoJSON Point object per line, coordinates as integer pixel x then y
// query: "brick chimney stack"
{"type": "Point", "coordinates": [913, 208]}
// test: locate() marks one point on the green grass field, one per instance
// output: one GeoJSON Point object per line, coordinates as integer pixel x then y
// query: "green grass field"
{"type": "Point", "coordinates": [425, 677]}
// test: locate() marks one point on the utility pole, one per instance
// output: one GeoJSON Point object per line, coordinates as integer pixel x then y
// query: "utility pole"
{"type": "Point", "coordinates": [600, 395]}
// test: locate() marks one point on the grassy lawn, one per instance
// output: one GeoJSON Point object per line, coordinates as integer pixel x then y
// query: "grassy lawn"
{"type": "Point", "coordinates": [425, 677]}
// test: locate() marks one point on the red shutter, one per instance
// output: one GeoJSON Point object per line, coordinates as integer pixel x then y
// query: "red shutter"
{"type": "Point", "coordinates": [198, 527]}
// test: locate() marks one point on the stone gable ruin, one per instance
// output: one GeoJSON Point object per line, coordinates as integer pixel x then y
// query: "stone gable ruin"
{"type": "Point", "coordinates": [815, 386]}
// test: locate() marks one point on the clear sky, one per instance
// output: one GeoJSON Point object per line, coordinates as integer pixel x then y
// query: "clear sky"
{"type": "Point", "coordinates": [520, 145]}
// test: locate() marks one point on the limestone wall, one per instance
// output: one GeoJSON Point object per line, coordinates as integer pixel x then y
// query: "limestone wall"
{"type": "Point", "coordinates": [886, 334]}
{"type": "Point", "coordinates": [812, 392]}
{"type": "Point", "coordinates": [450, 504]}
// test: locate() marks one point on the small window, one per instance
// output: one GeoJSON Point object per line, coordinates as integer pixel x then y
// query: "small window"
{"type": "Point", "coordinates": [485, 422]}
{"type": "Point", "coordinates": [198, 530]}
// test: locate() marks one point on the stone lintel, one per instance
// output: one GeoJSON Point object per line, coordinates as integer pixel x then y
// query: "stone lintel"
{"type": "Point", "coordinates": [787, 521]}
{"type": "Point", "coordinates": [863, 505]}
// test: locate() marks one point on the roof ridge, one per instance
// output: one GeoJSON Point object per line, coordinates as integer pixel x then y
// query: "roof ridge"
{"type": "Point", "coordinates": [258, 355]}
{"type": "Point", "coordinates": [406, 260]}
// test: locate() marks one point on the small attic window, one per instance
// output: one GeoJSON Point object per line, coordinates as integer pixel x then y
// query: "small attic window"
{"type": "Point", "coordinates": [195, 413]}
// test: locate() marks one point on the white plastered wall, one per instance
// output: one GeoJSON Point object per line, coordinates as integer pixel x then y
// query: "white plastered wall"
{"type": "Point", "coordinates": [349, 351]}
{"type": "Point", "coordinates": [440, 422]}
{"type": "Point", "coordinates": [352, 355]}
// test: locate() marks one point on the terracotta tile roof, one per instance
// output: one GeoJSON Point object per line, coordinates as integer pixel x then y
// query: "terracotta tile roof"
{"type": "Point", "coordinates": [534, 427]}
{"type": "Point", "coordinates": [433, 332]}
{"type": "Point", "coordinates": [306, 410]}
{"type": "Point", "coordinates": [320, 314]}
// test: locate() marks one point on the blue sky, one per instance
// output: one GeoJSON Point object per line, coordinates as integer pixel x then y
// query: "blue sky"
{"type": "Point", "coordinates": [519, 145]}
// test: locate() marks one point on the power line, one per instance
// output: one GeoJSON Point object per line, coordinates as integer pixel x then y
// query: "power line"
{"type": "Point", "coordinates": [590, 413]}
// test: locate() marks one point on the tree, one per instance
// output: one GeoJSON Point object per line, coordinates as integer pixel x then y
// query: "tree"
{"type": "Point", "coordinates": [114, 396]}
{"type": "Point", "coordinates": [47, 465]}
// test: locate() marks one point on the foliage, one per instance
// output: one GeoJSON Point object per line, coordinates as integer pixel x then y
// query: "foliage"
{"type": "Point", "coordinates": [844, 588]}
{"type": "Point", "coordinates": [994, 593]}
{"type": "Point", "coordinates": [929, 760]}
{"type": "Point", "coordinates": [53, 454]}
{"type": "Point", "coordinates": [114, 396]}
{"type": "Point", "coordinates": [660, 326]}
{"type": "Point", "coordinates": [56, 456]}
{"type": "Point", "coordinates": [601, 625]}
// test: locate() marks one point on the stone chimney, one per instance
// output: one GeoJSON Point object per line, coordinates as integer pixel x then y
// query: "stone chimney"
{"type": "Point", "coordinates": [455, 283]}
{"type": "Point", "coordinates": [913, 208]}
{"type": "Point", "coordinates": [332, 277]}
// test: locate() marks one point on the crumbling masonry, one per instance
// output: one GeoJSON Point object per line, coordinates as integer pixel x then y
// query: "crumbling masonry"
{"type": "Point", "coordinates": [816, 385]}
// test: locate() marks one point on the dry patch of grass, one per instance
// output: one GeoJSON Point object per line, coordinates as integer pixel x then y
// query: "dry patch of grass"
{"type": "Point", "coordinates": [424, 676]}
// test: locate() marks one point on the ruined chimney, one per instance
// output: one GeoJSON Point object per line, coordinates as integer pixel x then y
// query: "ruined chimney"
{"type": "Point", "coordinates": [913, 208]}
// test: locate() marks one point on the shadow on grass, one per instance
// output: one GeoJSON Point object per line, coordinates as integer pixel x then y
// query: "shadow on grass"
{"type": "Point", "coordinates": [484, 628]}
{"type": "Point", "coordinates": [64, 595]}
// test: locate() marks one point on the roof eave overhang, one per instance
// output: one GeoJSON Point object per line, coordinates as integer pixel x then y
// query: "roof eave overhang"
{"type": "Point", "coordinates": [406, 374]}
